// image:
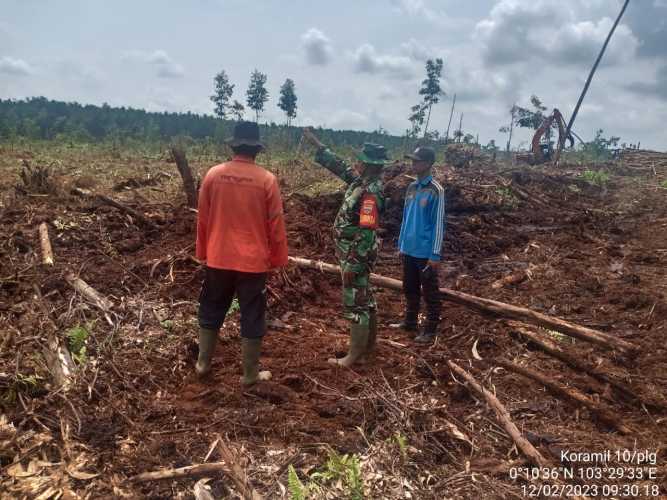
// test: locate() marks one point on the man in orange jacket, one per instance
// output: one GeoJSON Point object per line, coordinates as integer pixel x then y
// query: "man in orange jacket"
{"type": "Point", "coordinates": [240, 237]}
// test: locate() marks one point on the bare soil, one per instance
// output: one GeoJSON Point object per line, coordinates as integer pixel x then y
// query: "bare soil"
{"type": "Point", "coordinates": [596, 255]}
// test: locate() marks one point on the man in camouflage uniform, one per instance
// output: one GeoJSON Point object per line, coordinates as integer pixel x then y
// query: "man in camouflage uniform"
{"type": "Point", "coordinates": [356, 240]}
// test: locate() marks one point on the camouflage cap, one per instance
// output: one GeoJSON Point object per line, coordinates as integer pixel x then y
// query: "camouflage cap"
{"type": "Point", "coordinates": [373, 154]}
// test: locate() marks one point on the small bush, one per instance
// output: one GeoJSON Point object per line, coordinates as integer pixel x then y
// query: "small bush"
{"type": "Point", "coordinates": [11, 386]}
{"type": "Point", "coordinates": [339, 471]}
{"type": "Point", "coordinates": [297, 490]}
{"type": "Point", "coordinates": [76, 342]}
{"type": "Point", "coordinates": [596, 177]}
{"type": "Point", "coordinates": [234, 306]}
{"type": "Point", "coordinates": [509, 198]}
{"type": "Point", "coordinates": [402, 443]}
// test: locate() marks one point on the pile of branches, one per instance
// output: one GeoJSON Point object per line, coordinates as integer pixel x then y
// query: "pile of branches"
{"type": "Point", "coordinates": [461, 155]}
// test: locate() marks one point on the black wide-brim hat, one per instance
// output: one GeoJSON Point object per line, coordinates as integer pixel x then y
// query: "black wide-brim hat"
{"type": "Point", "coordinates": [245, 134]}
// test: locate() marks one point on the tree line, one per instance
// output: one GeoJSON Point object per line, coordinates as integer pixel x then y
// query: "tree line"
{"type": "Point", "coordinates": [44, 119]}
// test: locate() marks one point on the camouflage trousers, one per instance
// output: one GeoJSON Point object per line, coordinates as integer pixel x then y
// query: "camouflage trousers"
{"type": "Point", "coordinates": [358, 299]}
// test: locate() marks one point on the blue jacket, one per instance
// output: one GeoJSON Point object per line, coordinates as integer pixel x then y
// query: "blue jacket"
{"type": "Point", "coordinates": [423, 226]}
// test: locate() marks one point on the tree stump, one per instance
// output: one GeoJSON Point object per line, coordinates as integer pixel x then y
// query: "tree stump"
{"type": "Point", "coordinates": [189, 186]}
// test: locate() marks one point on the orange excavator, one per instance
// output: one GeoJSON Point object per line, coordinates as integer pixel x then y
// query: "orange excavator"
{"type": "Point", "coordinates": [543, 151]}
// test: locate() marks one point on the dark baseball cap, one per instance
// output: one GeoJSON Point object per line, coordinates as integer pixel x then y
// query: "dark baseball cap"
{"type": "Point", "coordinates": [423, 153]}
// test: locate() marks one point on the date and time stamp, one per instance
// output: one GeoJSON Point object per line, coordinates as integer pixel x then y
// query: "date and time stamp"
{"type": "Point", "coordinates": [620, 473]}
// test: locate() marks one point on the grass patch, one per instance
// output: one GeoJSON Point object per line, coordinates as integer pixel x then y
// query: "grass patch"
{"type": "Point", "coordinates": [77, 338]}
{"type": "Point", "coordinates": [598, 178]}
{"type": "Point", "coordinates": [234, 307]}
{"type": "Point", "coordinates": [167, 324]}
{"type": "Point", "coordinates": [340, 475]}
{"type": "Point", "coordinates": [508, 196]}
{"type": "Point", "coordinates": [29, 385]}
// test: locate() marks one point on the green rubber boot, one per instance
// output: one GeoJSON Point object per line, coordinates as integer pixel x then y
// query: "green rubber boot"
{"type": "Point", "coordinates": [207, 341]}
{"type": "Point", "coordinates": [250, 349]}
{"type": "Point", "coordinates": [358, 344]}
{"type": "Point", "coordinates": [372, 332]}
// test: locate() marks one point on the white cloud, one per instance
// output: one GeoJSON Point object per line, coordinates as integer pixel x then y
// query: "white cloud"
{"type": "Point", "coordinates": [15, 67]}
{"type": "Point", "coordinates": [367, 60]}
{"type": "Point", "coordinates": [317, 47]}
{"type": "Point", "coordinates": [658, 88]}
{"type": "Point", "coordinates": [581, 42]}
{"type": "Point", "coordinates": [416, 50]}
{"type": "Point", "coordinates": [548, 31]}
{"type": "Point", "coordinates": [420, 9]}
{"type": "Point", "coordinates": [87, 76]}
{"type": "Point", "coordinates": [389, 92]}
{"type": "Point", "coordinates": [165, 66]}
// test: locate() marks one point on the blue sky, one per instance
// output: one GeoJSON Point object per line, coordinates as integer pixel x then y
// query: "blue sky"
{"type": "Point", "coordinates": [356, 64]}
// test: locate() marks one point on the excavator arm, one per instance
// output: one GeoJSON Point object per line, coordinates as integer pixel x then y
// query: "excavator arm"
{"type": "Point", "coordinates": [536, 147]}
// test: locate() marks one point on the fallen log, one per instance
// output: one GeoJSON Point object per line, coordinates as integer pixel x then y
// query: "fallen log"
{"type": "Point", "coordinates": [511, 279]}
{"type": "Point", "coordinates": [88, 292]}
{"type": "Point", "coordinates": [539, 341]}
{"type": "Point", "coordinates": [134, 183]}
{"type": "Point", "coordinates": [496, 308]}
{"type": "Point", "coordinates": [59, 362]}
{"type": "Point", "coordinates": [45, 242]}
{"type": "Point", "coordinates": [503, 417]}
{"type": "Point", "coordinates": [113, 203]}
{"type": "Point", "coordinates": [603, 413]}
{"type": "Point", "coordinates": [58, 359]}
{"type": "Point", "coordinates": [181, 472]}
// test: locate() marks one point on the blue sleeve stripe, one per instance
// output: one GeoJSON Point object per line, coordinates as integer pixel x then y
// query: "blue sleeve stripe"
{"type": "Point", "coordinates": [404, 222]}
{"type": "Point", "coordinates": [439, 221]}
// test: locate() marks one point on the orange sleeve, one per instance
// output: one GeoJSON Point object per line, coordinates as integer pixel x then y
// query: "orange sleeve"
{"type": "Point", "coordinates": [202, 221]}
{"type": "Point", "coordinates": [276, 226]}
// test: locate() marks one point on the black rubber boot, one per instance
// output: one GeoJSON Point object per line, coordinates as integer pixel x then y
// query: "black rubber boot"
{"type": "Point", "coordinates": [372, 332]}
{"type": "Point", "coordinates": [358, 345]}
{"type": "Point", "coordinates": [207, 341]}
{"type": "Point", "coordinates": [250, 350]}
{"type": "Point", "coordinates": [428, 335]}
{"type": "Point", "coordinates": [409, 323]}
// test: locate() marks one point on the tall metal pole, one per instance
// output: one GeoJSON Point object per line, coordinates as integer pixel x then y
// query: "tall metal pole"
{"type": "Point", "coordinates": [561, 141]}
{"type": "Point", "coordinates": [451, 113]}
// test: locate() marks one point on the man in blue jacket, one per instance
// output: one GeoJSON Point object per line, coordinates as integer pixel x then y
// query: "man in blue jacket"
{"type": "Point", "coordinates": [420, 245]}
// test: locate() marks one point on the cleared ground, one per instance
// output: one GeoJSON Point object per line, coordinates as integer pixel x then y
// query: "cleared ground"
{"type": "Point", "coordinates": [593, 254]}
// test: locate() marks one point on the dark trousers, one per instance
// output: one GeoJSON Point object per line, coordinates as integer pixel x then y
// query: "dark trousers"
{"type": "Point", "coordinates": [418, 280]}
{"type": "Point", "coordinates": [217, 294]}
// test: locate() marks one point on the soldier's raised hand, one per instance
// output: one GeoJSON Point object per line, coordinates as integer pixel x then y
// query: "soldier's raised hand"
{"type": "Point", "coordinates": [310, 137]}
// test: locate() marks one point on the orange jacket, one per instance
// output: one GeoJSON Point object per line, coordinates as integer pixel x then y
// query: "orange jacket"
{"type": "Point", "coordinates": [240, 224]}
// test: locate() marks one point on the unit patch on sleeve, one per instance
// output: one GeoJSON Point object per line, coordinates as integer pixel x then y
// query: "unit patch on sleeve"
{"type": "Point", "coordinates": [368, 214]}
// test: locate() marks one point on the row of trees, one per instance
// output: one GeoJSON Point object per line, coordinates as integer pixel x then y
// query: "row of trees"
{"type": "Point", "coordinates": [256, 97]}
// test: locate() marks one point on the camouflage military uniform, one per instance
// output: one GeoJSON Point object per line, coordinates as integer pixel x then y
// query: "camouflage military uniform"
{"type": "Point", "coordinates": [356, 247]}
